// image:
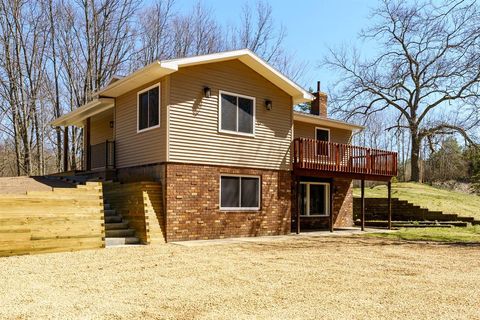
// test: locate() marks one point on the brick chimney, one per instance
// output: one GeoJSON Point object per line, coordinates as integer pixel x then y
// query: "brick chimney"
{"type": "Point", "coordinates": [319, 105]}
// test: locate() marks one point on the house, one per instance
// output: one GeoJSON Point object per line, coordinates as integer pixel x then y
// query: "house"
{"type": "Point", "coordinates": [220, 133]}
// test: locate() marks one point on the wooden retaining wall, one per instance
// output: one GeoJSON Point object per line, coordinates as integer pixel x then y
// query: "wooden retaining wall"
{"type": "Point", "coordinates": [141, 203]}
{"type": "Point", "coordinates": [402, 210]}
{"type": "Point", "coordinates": [65, 219]}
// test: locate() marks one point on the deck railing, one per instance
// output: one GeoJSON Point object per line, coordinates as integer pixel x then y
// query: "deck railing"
{"type": "Point", "coordinates": [102, 155]}
{"type": "Point", "coordinates": [337, 157]}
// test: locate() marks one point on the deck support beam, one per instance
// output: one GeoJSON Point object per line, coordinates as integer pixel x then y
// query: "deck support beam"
{"type": "Point", "coordinates": [389, 206]}
{"type": "Point", "coordinates": [362, 204]}
{"type": "Point", "coordinates": [65, 149]}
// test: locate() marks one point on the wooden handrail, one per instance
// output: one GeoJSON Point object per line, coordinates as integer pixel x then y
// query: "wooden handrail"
{"type": "Point", "coordinates": [337, 157]}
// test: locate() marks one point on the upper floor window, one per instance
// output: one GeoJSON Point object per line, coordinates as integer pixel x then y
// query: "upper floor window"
{"type": "Point", "coordinates": [149, 108]}
{"type": "Point", "coordinates": [237, 113]}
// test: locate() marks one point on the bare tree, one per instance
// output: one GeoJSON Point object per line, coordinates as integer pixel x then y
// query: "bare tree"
{"type": "Point", "coordinates": [95, 42]}
{"type": "Point", "coordinates": [196, 33]}
{"type": "Point", "coordinates": [154, 32]}
{"type": "Point", "coordinates": [427, 71]}
{"type": "Point", "coordinates": [23, 41]}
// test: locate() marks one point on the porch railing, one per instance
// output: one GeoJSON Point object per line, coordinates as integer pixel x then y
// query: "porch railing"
{"type": "Point", "coordinates": [337, 157]}
{"type": "Point", "coordinates": [102, 155]}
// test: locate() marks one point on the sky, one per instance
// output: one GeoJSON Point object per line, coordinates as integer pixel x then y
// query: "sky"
{"type": "Point", "coordinates": [312, 27]}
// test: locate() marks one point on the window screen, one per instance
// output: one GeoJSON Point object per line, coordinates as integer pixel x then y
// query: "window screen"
{"type": "Point", "coordinates": [148, 108]}
{"type": "Point", "coordinates": [240, 192]}
{"type": "Point", "coordinates": [236, 113]}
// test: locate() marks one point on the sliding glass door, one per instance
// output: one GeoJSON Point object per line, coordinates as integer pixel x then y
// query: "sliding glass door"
{"type": "Point", "coordinates": [314, 198]}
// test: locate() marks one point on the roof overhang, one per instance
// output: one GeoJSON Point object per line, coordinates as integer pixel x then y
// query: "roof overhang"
{"type": "Point", "coordinates": [321, 121]}
{"type": "Point", "coordinates": [159, 69]}
{"type": "Point", "coordinates": [147, 74]}
{"type": "Point", "coordinates": [76, 117]}
{"type": "Point", "coordinates": [249, 58]}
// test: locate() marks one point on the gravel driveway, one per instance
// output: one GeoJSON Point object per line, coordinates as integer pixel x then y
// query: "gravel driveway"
{"type": "Point", "coordinates": [293, 278]}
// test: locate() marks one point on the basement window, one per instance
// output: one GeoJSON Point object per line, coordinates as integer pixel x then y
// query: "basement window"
{"type": "Point", "coordinates": [237, 114]}
{"type": "Point", "coordinates": [148, 108]}
{"type": "Point", "coordinates": [239, 193]}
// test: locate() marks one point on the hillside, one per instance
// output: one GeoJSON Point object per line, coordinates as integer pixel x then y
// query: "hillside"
{"type": "Point", "coordinates": [429, 197]}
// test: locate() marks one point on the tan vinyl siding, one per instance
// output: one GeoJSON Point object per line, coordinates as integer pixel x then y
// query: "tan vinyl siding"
{"type": "Point", "coordinates": [307, 130]}
{"type": "Point", "coordinates": [137, 148]}
{"type": "Point", "coordinates": [193, 120]}
{"type": "Point", "coordinates": [100, 130]}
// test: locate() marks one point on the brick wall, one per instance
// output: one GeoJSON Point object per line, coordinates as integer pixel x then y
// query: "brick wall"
{"type": "Point", "coordinates": [192, 204]}
{"type": "Point", "coordinates": [343, 203]}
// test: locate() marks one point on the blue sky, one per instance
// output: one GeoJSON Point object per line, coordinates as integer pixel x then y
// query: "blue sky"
{"type": "Point", "coordinates": [312, 26]}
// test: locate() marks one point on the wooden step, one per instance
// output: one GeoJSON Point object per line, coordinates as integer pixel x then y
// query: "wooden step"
{"type": "Point", "coordinates": [110, 212]}
{"type": "Point", "coordinates": [113, 219]}
{"type": "Point", "coordinates": [112, 242]}
{"type": "Point", "coordinates": [122, 233]}
{"type": "Point", "coordinates": [116, 225]}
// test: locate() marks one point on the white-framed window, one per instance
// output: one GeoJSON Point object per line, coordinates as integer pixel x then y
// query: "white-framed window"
{"type": "Point", "coordinates": [239, 192]}
{"type": "Point", "coordinates": [236, 113]}
{"type": "Point", "coordinates": [322, 134]}
{"type": "Point", "coordinates": [314, 199]}
{"type": "Point", "coordinates": [148, 108]}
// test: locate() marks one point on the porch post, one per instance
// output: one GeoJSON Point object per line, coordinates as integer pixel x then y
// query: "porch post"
{"type": "Point", "coordinates": [389, 187]}
{"type": "Point", "coordinates": [88, 153]}
{"type": "Point", "coordinates": [330, 207]}
{"type": "Point", "coordinates": [362, 204]}
{"type": "Point", "coordinates": [65, 148]}
{"type": "Point", "coordinates": [297, 207]}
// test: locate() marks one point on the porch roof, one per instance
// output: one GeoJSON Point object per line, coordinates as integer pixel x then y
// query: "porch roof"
{"type": "Point", "coordinates": [90, 109]}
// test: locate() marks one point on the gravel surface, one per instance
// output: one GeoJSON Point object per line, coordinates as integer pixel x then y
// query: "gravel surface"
{"type": "Point", "coordinates": [294, 278]}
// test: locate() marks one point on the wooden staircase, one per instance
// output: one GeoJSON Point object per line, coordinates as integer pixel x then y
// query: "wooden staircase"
{"type": "Point", "coordinates": [117, 229]}
{"type": "Point", "coordinates": [404, 213]}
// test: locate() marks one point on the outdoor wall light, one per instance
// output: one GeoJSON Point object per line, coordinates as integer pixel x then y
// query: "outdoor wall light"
{"type": "Point", "coordinates": [207, 92]}
{"type": "Point", "coordinates": [268, 104]}
{"type": "Point", "coordinates": [111, 124]}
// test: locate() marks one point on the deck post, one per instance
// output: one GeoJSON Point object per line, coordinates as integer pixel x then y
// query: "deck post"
{"type": "Point", "coordinates": [389, 188]}
{"type": "Point", "coordinates": [330, 207]}
{"type": "Point", "coordinates": [88, 151]}
{"type": "Point", "coordinates": [362, 204]}
{"type": "Point", "coordinates": [65, 148]}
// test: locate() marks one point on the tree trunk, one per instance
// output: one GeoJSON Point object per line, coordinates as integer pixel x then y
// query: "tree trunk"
{"type": "Point", "coordinates": [415, 165]}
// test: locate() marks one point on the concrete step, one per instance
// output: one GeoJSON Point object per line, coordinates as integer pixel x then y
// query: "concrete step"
{"type": "Point", "coordinates": [110, 212]}
{"type": "Point", "coordinates": [121, 233]}
{"type": "Point", "coordinates": [113, 219]}
{"type": "Point", "coordinates": [116, 225]}
{"type": "Point", "coordinates": [111, 242]}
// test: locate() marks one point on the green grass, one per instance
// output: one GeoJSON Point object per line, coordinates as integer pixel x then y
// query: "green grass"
{"type": "Point", "coordinates": [432, 198]}
{"type": "Point", "coordinates": [455, 234]}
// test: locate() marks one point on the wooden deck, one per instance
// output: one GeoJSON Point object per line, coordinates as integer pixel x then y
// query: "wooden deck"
{"type": "Point", "coordinates": [320, 158]}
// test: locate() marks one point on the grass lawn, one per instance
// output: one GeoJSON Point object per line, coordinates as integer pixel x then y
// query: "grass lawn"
{"type": "Point", "coordinates": [297, 277]}
{"type": "Point", "coordinates": [429, 197]}
{"type": "Point", "coordinates": [464, 235]}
